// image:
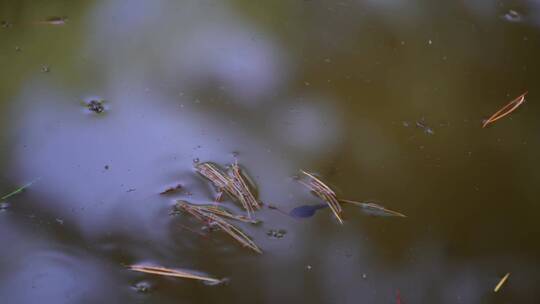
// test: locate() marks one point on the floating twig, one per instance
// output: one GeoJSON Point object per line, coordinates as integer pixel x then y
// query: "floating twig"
{"type": "Point", "coordinates": [323, 192]}
{"type": "Point", "coordinates": [507, 109]}
{"type": "Point", "coordinates": [374, 209]}
{"type": "Point", "coordinates": [18, 190]}
{"type": "Point", "coordinates": [501, 282]}
{"type": "Point", "coordinates": [157, 270]}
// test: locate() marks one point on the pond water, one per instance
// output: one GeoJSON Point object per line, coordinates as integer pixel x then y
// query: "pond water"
{"type": "Point", "coordinates": [113, 102]}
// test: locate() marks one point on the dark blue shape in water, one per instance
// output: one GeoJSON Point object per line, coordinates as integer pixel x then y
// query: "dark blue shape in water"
{"type": "Point", "coordinates": [306, 210]}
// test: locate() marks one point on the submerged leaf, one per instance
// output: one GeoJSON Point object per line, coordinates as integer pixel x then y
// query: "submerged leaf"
{"type": "Point", "coordinates": [374, 209]}
{"type": "Point", "coordinates": [306, 210]}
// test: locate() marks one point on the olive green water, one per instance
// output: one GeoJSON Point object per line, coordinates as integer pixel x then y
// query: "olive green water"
{"type": "Point", "coordinates": [333, 87]}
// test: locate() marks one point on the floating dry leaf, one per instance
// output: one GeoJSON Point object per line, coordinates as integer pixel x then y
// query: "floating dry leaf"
{"type": "Point", "coordinates": [507, 109]}
{"type": "Point", "coordinates": [323, 192]}
{"type": "Point", "coordinates": [374, 209]}
{"type": "Point", "coordinates": [207, 216]}
{"type": "Point", "coordinates": [501, 282]}
{"type": "Point", "coordinates": [157, 270]}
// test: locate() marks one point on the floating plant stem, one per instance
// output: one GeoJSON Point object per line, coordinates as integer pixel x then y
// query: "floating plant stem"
{"type": "Point", "coordinates": [501, 282]}
{"type": "Point", "coordinates": [374, 209]}
{"type": "Point", "coordinates": [324, 192]}
{"type": "Point", "coordinates": [157, 270]}
{"type": "Point", "coordinates": [507, 109]}
{"type": "Point", "coordinates": [18, 190]}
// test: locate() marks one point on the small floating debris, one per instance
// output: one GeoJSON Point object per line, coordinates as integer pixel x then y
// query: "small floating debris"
{"type": "Point", "coordinates": [142, 286]}
{"type": "Point", "coordinates": [276, 233]}
{"type": "Point", "coordinates": [53, 21]}
{"type": "Point", "coordinates": [96, 105]}
{"type": "Point", "coordinates": [203, 214]}
{"type": "Point", "coordinates": [18, 190]}
{"type": "Point", "coordinates": [306, 210]}
{"type": "Point", "coordinates": [501, 282]}
{"type": "Point", "coordinates": [171, 189]}
{"type": "Point", "coordinates": [512, 16]}
{"type": "Point", "coordinates": [374, 209]}
{"type": "Point", "coordinates": [4, 206]}
{"type": "Point", "coordinates": [157, 270]}
{"type": "Point", "coordinates": [323, 192]}
{"type": "Point", "coordinates": [45, 68]}
{"type": "Point", "coordinates": [422, 125]}
{"type": "Point", "coordinates": [507, 109]}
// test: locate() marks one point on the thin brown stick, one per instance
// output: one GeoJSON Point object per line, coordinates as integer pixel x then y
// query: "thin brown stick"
{"type": "Point", "coordinates": [373, 206]}
{"type": "Point", "coordinates": [507, 109]}
{"type": "Point", "coordinates": [172, 273]}
{"type": "Point", "coordinates": [323, 192]}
